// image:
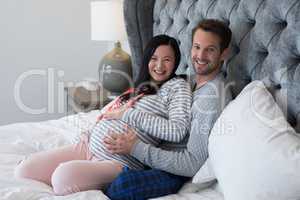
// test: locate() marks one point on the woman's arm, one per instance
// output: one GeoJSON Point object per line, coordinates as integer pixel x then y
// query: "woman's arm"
{"type": "Point", "coordinates": [185, 162]}
{"type": "Point", "coordinates": [173, 129]}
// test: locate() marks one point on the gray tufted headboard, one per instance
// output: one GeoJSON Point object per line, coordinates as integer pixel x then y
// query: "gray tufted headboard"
{"type": "Point", "coordinates": [265, 43]}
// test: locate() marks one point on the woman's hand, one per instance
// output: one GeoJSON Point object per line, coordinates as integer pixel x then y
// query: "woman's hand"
{"type": "Point", "coordinates": [120, 143]}
{"type": "Point", "coordinates": [116, 113]}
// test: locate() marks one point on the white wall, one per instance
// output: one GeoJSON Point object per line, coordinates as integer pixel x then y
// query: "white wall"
{"type": "Point", "coordinates": [45, 35]}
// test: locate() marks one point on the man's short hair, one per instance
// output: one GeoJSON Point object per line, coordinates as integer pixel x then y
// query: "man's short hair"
{"type": "Point", "coordinates": [217, 27]}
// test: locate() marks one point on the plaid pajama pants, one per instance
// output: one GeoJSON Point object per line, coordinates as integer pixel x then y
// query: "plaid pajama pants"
{"type": "Point", "coordinates": [144, 184]}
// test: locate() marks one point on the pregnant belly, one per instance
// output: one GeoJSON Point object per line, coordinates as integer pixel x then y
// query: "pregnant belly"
{"type": "Point", "coordinates": [104, 127]}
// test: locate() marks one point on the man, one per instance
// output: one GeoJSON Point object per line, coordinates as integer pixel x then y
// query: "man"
{"type": "Point", "coordinates": [210, 47]}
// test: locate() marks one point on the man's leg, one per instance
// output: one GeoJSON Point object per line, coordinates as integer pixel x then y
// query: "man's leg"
{"type": "Point", "coordinates": [144, 184]}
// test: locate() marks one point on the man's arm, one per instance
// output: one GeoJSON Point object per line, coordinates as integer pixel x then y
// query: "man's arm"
{"type": "Point", "coordinates": [186, 162]}
{"type": "Point", "coordinates": [205, 110]}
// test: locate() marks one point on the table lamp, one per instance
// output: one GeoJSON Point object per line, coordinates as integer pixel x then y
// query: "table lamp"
{"type": "Point", "coordinates": [107, 24]}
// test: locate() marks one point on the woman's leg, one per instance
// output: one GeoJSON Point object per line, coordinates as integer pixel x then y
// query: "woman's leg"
{"type": "Point", "coordinates": [82, 175]}
{"type": "Point", "coordinates": [40, 166]}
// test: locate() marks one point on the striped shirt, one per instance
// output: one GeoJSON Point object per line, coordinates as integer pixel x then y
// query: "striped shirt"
{"type": "Point", "coordinates": [208, 102]}
{"type": "Point", "coordinates": [163, 116]}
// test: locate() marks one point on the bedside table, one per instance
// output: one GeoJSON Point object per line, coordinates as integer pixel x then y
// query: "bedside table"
{"type": "Point", "coordinates": [81, 98]}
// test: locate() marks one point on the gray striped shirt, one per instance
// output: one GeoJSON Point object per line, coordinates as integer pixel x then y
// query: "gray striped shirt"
{"type": "Point", "coordinates": [163, 116]}
{"type": "Point", "coordinates": [208, 102]}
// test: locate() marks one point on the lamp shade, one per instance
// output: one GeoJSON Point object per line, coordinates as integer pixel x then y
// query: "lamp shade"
{"type": "Point", "coordinates": [107, 20]}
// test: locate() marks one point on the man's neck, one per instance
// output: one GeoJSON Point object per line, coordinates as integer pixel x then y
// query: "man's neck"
{"type": "Point", "coordinates": [203, 79]}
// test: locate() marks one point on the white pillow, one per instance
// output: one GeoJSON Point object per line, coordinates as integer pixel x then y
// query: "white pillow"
{"type": "Point", "coordinates": [254, 152]}
{"type": "Point", "coordinates": [205, 174]}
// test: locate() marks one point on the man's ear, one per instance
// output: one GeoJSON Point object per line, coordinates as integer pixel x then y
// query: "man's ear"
{"type": "Point", "coordinates": [225, 54]}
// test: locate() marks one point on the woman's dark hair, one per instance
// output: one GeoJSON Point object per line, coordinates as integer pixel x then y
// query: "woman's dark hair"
{"type": "Point", "coordinates": [153, 44]}
{"type": "Point", "coordinates": [143, 82]}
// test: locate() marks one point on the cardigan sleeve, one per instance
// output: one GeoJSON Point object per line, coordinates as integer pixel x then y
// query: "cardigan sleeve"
{"type": "Point", "coordinates": [186, 162]}
{"type": "Point", "coordinates": [176, 126]}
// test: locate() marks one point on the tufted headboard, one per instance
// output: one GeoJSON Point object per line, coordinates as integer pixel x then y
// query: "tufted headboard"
{"type": "Point", "coordinates": [265, 43]}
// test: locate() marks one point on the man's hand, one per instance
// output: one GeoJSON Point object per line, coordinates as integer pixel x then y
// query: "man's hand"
{"type": "Point", "coordinates": [120, 143]}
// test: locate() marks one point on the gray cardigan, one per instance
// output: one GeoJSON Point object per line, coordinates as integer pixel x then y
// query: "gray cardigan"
{"type": "Point", "coordinates": [208, 102]}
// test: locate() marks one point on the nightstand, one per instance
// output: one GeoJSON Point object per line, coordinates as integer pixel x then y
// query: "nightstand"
{"type": "Point", "coordinates": [85, 97]}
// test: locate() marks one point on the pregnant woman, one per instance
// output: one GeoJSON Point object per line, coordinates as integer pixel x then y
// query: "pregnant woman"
{"type": "Point", "coordinates": [158, 109]}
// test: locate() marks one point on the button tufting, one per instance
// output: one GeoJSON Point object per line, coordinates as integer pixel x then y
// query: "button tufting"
{"type": "Point", "coordinates": [171, 20]}
{"type": "Point", "coordinates": [236, 49]}
{"type": "Point", "coordinates": [268, 49]}
{"type": "Point", "coordinates": [158, 22]}
{"type": "Point", "coordinates": [186, 21]}
{"type": "Point", "coordinates": [264, 53]}
{"type": "Point", "coordinates": [284, 24]}
{"type": "Point", "coordinates": [277, 86]}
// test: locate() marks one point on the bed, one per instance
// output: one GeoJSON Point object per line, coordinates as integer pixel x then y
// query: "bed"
{"type": "Point", "coordinates": [265, 51]}
{"type": "Point", "coordinates": [265, 46]}
{"type": "Point", "coordinates": [21, 139]}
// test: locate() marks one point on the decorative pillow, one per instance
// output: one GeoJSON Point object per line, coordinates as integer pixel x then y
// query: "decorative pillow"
{"type": "Point", "coordinates": [205, 175]}
{"type": "Point", "coordinates": [255, 153]}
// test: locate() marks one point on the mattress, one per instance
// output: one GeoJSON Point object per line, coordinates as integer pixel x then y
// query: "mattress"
{"type": "Point", "coordinates": [22, 139]}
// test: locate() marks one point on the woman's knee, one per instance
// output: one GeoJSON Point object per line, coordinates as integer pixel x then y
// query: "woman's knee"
{"type": "Point", "coordinates": [64, 179]}
{"type": "Point", "coordinates": [76, 176]}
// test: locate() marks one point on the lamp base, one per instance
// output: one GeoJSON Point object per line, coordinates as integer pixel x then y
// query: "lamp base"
{"type": "Point", "coordinates": [115, 70]}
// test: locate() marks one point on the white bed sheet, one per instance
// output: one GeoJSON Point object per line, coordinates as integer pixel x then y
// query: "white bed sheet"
{"type": "Point", "coordinates": [21, 139]}
{"type": "Point", "coordinates": [192, 191]}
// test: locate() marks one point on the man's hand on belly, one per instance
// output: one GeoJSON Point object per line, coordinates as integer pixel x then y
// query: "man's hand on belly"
{"type": "Point", "coordinates": [120, 143]}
